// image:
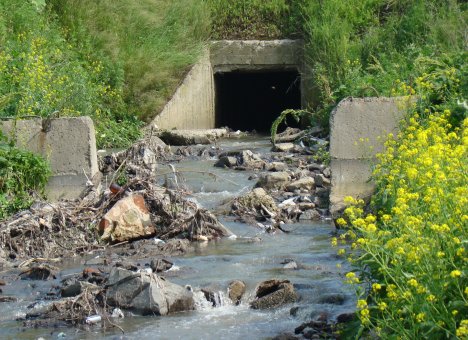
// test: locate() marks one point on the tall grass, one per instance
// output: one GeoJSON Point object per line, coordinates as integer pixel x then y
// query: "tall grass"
{"type": "Point", "coordinates": [360, 47]}
{"type": "Point", "coordinates": [145, 46]}
{"type": "Point", "coordinates": [255, 19]}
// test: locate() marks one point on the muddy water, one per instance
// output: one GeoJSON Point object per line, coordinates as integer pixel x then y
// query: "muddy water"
{"type": "Point", "coordinates": [253, 257]}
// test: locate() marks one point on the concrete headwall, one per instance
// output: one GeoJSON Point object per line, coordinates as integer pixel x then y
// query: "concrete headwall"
{"type": "Point", "coordinates": [192, 106]}
{"type": "Point", "coordinates": [358, 128]}
{"type": "Point", "coordinates": [68, 144]}
{"type": "Point", "coordinates": [234, 55]}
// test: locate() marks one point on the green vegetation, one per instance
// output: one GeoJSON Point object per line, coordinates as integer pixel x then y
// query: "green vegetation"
{"type": "Point", "coordinates": [43, 74]}
{"type": "Point", "coordinates": [145, 47]}
{"type": "Point", "coordinates": [23, 175]}
{"type": "Point", "coordinates": [362, 47]}
{"type": "Point", "coordinates": [255, 19]}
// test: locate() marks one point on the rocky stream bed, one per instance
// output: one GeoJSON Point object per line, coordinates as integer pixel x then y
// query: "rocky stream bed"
{"type": "Point", "coordinates": [206, 241]}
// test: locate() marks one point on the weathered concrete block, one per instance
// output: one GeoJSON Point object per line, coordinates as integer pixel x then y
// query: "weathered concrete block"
{"type": "Point", "coordinates": [355, 119]}
{"type": "Point", "coordinates": [367, 118]}
{"type": "Point", "coordinates": [68, 144]}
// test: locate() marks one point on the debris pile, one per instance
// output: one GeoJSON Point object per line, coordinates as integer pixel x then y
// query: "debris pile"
{"type": "Point", "coordinates": [139, 209]}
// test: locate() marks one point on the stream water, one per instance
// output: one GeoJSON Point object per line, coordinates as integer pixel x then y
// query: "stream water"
{"type": "Point", "coordinates": [215, 264]}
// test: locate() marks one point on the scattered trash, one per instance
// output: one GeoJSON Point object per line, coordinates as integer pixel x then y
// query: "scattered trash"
{"type": "Point", "coordinates": [117, 313]}
{"type": "Point", "coordinates": [93, 319]}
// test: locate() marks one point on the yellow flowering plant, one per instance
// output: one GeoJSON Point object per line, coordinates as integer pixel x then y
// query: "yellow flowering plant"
{"type": "Point", "coordinates": [410, 254]}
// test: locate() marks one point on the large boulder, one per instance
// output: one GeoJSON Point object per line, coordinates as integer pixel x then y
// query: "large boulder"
{"type": "Point", "coordinates": [274, 293]}
{"type": "Point", "coordinates": [127, 220]}
{"type": "Point", "coordinates": [275, 180]}
{"type": "Point", "coordinates": [146, 293]}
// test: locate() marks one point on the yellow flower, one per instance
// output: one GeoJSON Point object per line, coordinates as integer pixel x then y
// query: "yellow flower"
{"type": "Point", "coordinates": [420, 317]}
{"type": "Point", "coordinates": [376, 287]}
{"type": "Point", "coordinates": [431, 298]}
{"type": "Point", "coordinates": [455, 273]}
{"type": "Point", "coordinates": [382, 306]}
{"type": "Point", "coordinates": [341, 221]}
{"type": "Point", "coordinates": [462, 331]}
{"type": "Point", "coordinates": [361, 304]}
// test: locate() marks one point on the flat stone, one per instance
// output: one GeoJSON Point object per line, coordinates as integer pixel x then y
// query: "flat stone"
{"type": "Point", "coordinates": [306, 206]}
{"type": "Point", "coordinates": [251, 160]}
{"type": "Point", "coordinates": [273, 180]}
{"type": "Point", "coordinates": [310, 215]}
{"type": "Point", "coordinates": [277, 166]}
{"type": "Point", "coordinates": [283, 147]}
{"type": "Point", "coordinates": [306, 183]}
{"type": "Point", "coordinates": [191, 137]}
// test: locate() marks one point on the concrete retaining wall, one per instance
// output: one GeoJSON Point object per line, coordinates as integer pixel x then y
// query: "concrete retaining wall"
{"type": "Point", "coordinates": [354, 120]}
{"type": "Point", "coordinates": [68, 144]}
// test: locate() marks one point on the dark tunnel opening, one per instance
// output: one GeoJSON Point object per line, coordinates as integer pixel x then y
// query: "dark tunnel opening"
{"type": "Point", "coordinates": [249, 101]}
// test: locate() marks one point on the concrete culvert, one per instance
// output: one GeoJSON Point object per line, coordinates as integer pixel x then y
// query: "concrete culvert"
{"type": "Point", "coordinates": [252, 100]}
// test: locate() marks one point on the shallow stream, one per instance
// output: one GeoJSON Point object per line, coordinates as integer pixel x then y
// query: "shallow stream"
{"type": "Point", "coordinates": [253, 257]}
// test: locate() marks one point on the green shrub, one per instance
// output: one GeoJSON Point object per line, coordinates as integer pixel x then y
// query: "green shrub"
{"type": "Point", "coordinates": [23, 176]}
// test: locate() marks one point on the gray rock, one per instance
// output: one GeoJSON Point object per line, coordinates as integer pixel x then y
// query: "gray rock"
{"type": "Point", "coordinates": [146, 293]}
{"type": "Point", "coordinates": [316, 167]}
{"type": "Point", "coordinates": [226, 161]}
{"type": "Point", "coordinates": [306, 206]}
{"type": "Point", "coordinates": [323, 193]}
{"type": "Point", "coordinates": [273, 180]}
{"type": "Point", "coordinates": [312, 215]}
{"type": "Point", "coordinates": [76, 287]}
{"type": "Point", "coordinates": [160, 265]}
{"type": "Point", "coordinates": [236, 290]}
{"type": "Point", "coordinates": [321, 180]}
{"type": "Point", "coordinates": [277, 166]}
{"type": "Point", "coordinates": [306, 183]}
{"type": "Point", "coordinates": [251, 160]}
{"type": "Point", "coordinates": [274, 293]}
{"type": "Point", "coordinates": [327, 172]}
{"type": "Point", "coordinates": [334, 299]}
